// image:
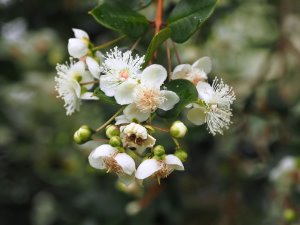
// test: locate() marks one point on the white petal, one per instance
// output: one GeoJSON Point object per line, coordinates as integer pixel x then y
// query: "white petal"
{"type": "Point", "coordinates": [78, 33]}
{"type": "Point", "coordinates": [78, 68]}
{"type": "Point", "coordinates": [89, 96]}
{"type": "Point", "coordinates": [132, 112]}
{"type": "Point", "coordinates": [154, 76]}
{"type": "Point", "coordinates": [121, 120]}
{"type": "Point", "coordinates": [174, 162]}
{"type": "Point", "coordinates": [196, 116]}
{"type": "Point", "coordinates": [77, 47]}
{"type": "Point", "coordinates": [147, 168]}
{"type": "Point", "coordinates": [125, 92]}
{"type": "Point", "coordinates": [96, 156]}
{"type": "Point", "coordinates": [87, 77]}
{"type": "Point", "coordinates": [93, 67]}
{"type": "Point", "coordinates": [108, 85]}
{"type": "Point", "coordinates": [181, 71]}
{"type": "Point", "coordinates": [126, 162]}
{"type": "Point", "coordinates": [204, 64]}
{"type": "Point", "coordinates": [171, 100]}
{"type": "Point", "coordinates": [205, 91]}
{"type": "Point", "coordinates": [100, 56]}
{"type": "Point", "coordinates": [76, 86]}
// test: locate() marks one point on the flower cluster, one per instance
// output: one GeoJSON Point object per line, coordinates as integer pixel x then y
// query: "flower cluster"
{"type": "Point", "coordinates": [132, 152]}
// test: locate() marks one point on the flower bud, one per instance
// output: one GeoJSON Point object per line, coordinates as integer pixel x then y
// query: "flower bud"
{"type": "Point", "coordinates": [83, 134]}
{"type": "Point", "coordinates": [115, 141]}
{"type": "Point", "coordinates": [178, 129]}
{"type": "Point", "coordinates": [112, 130]}
{"type": "Point", "coordinates": [159, 151]}
{"type": "Point", "coordinates": [289, 215]}
{"type": "Point", "coordinates": [181, 154]}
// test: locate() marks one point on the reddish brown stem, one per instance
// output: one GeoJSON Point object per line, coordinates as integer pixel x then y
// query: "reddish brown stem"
{"type": "Point", "coordinates": [159, 16]}
{"type": "Point", "coordinates": [161, 129]}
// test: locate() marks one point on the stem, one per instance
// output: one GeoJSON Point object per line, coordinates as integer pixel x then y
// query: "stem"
{"type": "Point", "coordinates": [101, 140]}
{"type": "Point", "coordinates": [176, 142]}
{"type": "Point", "coordinates": [110, 119]}
{"type": "Point", "coordinates": [169, 60]}
{"type": "Point", "coordinates": [159, 15]}
{"type": "Point", "coordinates": [89, 82]}
{"type": "Point", "coordinates": [107, 44]}
{"type": "Point", "coordinates": [161, 129]}
{"type": "Point", "coordinates": [135, 44]}
{"type": "Point", "coordinates": [176, 53]}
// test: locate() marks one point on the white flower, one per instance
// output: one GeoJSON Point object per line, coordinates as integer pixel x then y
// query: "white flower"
{"type": "Point", "coordinates": [68, 86]}
{"type": "Point", "coordinates": [194, 73]}
{"type": "Point", "coordinates": [93, 64]}
{"type": "Point", "coordinates": [216, 111]}
{"type": "Point", "coordinates": [120, 68]}
{"type": "Point", "coordinates": [286, 165]}
{"type": "Point", "coordinates": [158, 168]}
{"type": "Point", "coordinates": [106, 157]}
{"type": "Point", "coordinates": [146, 97]}
{"type": "Point", "coordinates": [78, 46]}
{"type": "Point", "coordinates": [136, 136]}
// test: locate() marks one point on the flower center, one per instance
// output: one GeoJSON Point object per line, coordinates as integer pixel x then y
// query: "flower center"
{"type": "Point", "coordinates": [164, 171]}
{"type": "Point", "coordinates": [112, 165]}
{"type": "Point", "coordinates": [148, 99]}
{"type": "Point", "coordinates": [124, 73]}
{"type": "Point", "coordinates": [196, 75]}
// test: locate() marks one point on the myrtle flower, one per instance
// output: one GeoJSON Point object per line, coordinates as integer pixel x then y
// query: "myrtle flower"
{"type": "Point", "coordinates": [194, 73]}
{"type": "Point", "coordinates": [120, 69]}
{"type": "Point", "coordinates": [93, 64]}
{"type": "Point", "coordinates": [158, 168]}
{"type": "Point", "coordinates": [147, 96]}
{"type": "Point", "coordinates": [215, 106]}
{"type": "Point", "coordinates": [68, 87]}
{"type": "Point", "coordinates": [106, 157]}
{"type": "Point", "coordinates": [78, 46]}
{"type": "Point", "coordinates": [136, 136]}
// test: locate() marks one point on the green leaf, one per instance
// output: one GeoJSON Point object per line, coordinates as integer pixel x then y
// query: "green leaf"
{"type": "Point", "coordinates": [119, 17]}
{"type": "Point", "coordinates": [100, 94]}
{"type": "Point", "coordinates": [133, 4]}
{"type": "Point", "coordinates": [187, 17]}
{"type": "Point", "coordinates": [156, 41]}
{"type": "Point", "coordinates": [187, 93]}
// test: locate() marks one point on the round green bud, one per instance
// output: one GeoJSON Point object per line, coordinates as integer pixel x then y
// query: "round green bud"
{"type": "Point", "coordinates": [181, 154]}
{"type": "Point", "coordinates": [289, 215]}
{"type": "Point", "coordinates": [159, 151]}
{"type": "Point", "coordinates": [115, 141]}
{"type": "Point", "coordinates": [112, 130]}
{"type": "Point", "coordinates": [178, 129]}
{"type": "Point", "coordinates": [121, 149]}
{"type": "Point", "coordinates": [83, 134]}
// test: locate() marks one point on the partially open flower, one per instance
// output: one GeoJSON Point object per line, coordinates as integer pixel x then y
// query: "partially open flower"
{"type": "Point", "coordinates": [136, 136]}
{"type": "Point", "coordinates": [146, 97]}
{"type": "Point", "coordinates": [109, 158]}
{"type": "Point", "coordinates": [195, 73]}
{"type": "Point", "coordinates": [78, 46]}
{"type": "Point", "coordinates": [216, 107]}
{"type": "Point", "coordinates": [68, 87]}
{"type": "Point", "coordinates": [120, 69]}
{"type": "Point", "coordinates": [158, 168]}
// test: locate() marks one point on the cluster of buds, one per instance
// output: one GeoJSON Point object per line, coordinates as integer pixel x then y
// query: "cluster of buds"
{"type": "Point", "coordinates": [132, 152]}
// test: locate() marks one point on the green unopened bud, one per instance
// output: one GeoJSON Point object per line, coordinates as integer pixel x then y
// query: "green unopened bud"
{"type": "Point", "coordinates": [178, 129]}
{"type": "Point", "coordinates": [289, 215]}
{"type": "Point", "coordinates": [112, 130]}
{"type": "Point", "coordinates": [150, 129]}
{"type": "Point", "coordinates": [115, 141]}
{"type": "Point", "coordinates": [121, 149]}
{"type": "Point", "coordinates": [181, 154]}
{"type": "Point", "coordinates": [83, 134]}
{"type": "Point", "coordinates": [159, 151]}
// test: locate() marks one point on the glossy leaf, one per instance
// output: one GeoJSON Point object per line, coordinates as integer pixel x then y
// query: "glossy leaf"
{"type": "Point", "coordinates": [187, 93]}
{"type": "Point", "coordinates": [100, 94]}
{"type": "Point", "coordinates": [156, 41]}
{"type": "Point", "coordinates": [188, 16]}
{"type": "Point", "coordinates": [121, 18]}
{"type": "Point", "coordinates": [133, 4]}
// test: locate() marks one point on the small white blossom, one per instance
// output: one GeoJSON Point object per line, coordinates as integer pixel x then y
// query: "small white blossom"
{"type": "Point", "coordinates": [147, 96]}
{"type": "Point", "coordinates": [158, 168]}
{"type": "Point", "coordinates": [106, 157]}
{"type": "Point", "coordinates": [120, 69]}
{"type": "Point", "coordinates": [216, 111]}
{"type": "Point", "coordinates": [136, 136]}
{"type": "Point", "coordinates": [194, 73]}
{"type": "Point", "coordinates": [68, 86]}
{"type": "Point", "coordinates": [78, 46]}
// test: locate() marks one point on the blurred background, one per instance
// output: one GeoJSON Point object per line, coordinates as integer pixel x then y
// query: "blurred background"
{"type": "Point", "coordinates": [250, 175]}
